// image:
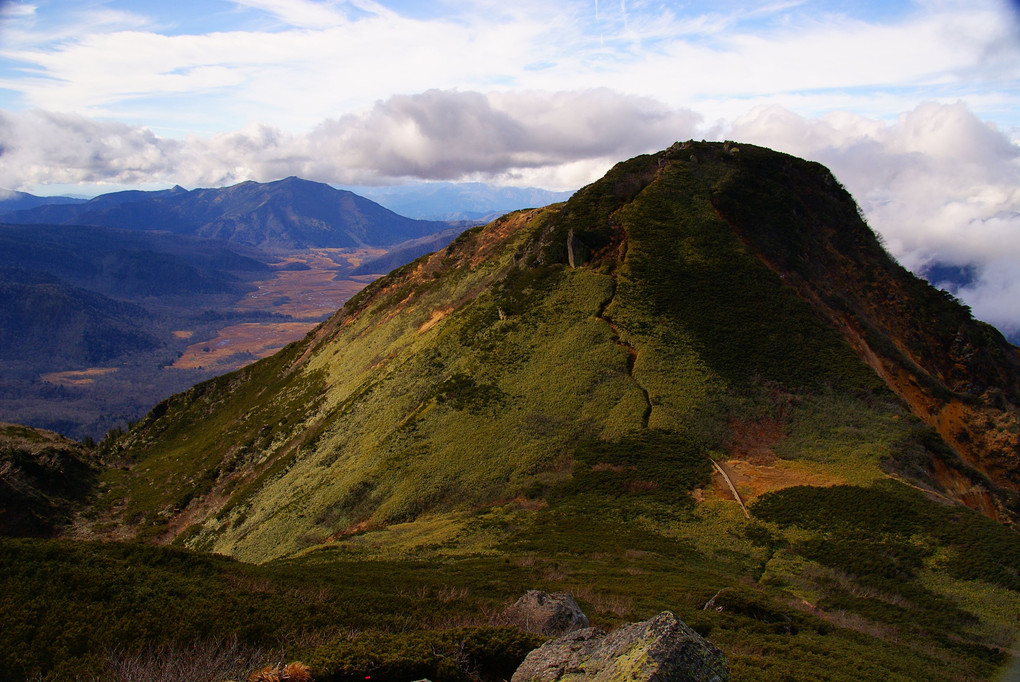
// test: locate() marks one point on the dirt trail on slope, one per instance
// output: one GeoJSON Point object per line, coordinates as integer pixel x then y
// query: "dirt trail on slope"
{"type": "Point", "coordinates": [632, 354]}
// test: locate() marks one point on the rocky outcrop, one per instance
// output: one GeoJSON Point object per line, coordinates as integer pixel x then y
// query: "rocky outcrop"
{"type": "Point", "coordinates": [660, 649]}
{"type": "Point", "coordinates": [545, 614]}
{"type": "Point", "coordinates": [577, 251]}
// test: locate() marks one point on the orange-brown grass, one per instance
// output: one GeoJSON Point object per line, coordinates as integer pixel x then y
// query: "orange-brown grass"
{"type": "Point", "coordinates": [83, 377]}
{"type": "Point", "coordinates": [752, 480]}
{"type": "Point", "coordinates": [753, 440]}
{"type": "Point", "coordinates": [307, 296]}
{"type": "Point", "coordinates": [313, 293]}
{"type": "Point", "coordinates": [257, 339]}
{"type": "Point", "coordinates": [437, 315]}
{"type": "Point", "coordinates": [292, 672]}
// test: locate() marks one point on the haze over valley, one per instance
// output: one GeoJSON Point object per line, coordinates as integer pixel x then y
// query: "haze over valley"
{"type": "Point", "coordinates": [113, 304]}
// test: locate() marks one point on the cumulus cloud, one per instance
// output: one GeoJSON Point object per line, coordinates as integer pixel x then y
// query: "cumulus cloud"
{"type": "Point", "coordinates": [449, 135]}
{"type": "Point", "coordinates": [48, 148]}
{"type": "Point", "coordinates": [941, 186]}
{"type": "Point", "coordinates": [297, 62]}
{"type": "Point", "coordinates": [436, 135]}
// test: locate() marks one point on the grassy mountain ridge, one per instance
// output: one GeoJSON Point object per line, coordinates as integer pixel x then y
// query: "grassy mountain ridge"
{"type": "Point", "coordinates": [490, 417]}
{"type": "Point", "coordinates": [496, 340]}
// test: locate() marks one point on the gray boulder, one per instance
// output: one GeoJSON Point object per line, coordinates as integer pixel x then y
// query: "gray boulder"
{"type": "Point", "coordinates": [545, 614]}
{"type": "Point", "coordinates": [661, 649]}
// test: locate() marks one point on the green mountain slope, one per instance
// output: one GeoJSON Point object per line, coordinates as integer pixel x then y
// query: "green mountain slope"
{"type": "Point", "coordinates": [559, 391]}
{"type": "Point", "coordinates": [473, 375]}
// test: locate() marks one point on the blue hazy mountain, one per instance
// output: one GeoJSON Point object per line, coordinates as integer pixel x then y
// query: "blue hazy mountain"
{"type": "Point", "coordinates": [288, 213]}
{"type": "Point", "coordinates": [19, 201]}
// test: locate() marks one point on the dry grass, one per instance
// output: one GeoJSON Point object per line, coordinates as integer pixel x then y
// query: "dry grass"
{"type": "Point", "coordinates": [603, 602]}
{"type": "Point", "coordinates": [635, 553]}
{"type": "Point", "coordinates": [239, 344]}
{"type": "Point", "coordinates": [850, 621]}
{"type": "Point", "coordinates": [752, 440]}
{"type": "Point", "coordinates": [524, 561]}
{"type": "Point", "coordinates": [83, 377]}
{"type": "Point", "coordinates": [553, 574]}
{"type": "Point", "coordinates": [203, 661]}
{"type": "Point", "coordinates": [292, 672]}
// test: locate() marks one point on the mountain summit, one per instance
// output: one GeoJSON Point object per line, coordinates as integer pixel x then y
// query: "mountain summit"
{"type": "Point", "coordinates": [699, 385]}
{"type": "Point", "coordinates": [716, 299]}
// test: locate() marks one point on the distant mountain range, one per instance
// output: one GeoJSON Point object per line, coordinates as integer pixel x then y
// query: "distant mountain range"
{"type": "Point", "coordinates": [99, 296]}
{"type": "Point", "coordinates": [286, 214]}
{"type": "Point", "coordinates": [130, 263]}
{"type": "Point", "coordinates": [18, 201]}
{"type": "Point", "coordinates": [88, 315]}
{"type": "Point", "coordinates": [443, 201]}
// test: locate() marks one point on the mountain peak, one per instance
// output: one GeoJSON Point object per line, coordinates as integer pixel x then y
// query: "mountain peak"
{"type": "Point", "coordinates": [702, 321]}
{"type": "Point", "coordinates": [699, 384]}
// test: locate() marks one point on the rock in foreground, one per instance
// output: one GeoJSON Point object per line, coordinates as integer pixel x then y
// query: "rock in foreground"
{"type": "Point", "coordinates": [660, 649]}
{"type": "Point", "coordinates": [545, 614]}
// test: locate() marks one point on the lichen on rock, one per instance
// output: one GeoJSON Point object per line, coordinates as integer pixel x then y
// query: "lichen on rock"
{"type": "Point", "coordinates": [660, 649]}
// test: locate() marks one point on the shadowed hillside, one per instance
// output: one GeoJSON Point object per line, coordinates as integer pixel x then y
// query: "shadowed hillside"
{"type": "Point", "coordinates": [44, 479]}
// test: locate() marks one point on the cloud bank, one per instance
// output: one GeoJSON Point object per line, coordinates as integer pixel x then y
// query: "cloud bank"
{"type": "Point", "coordinates": [940, 185]}
{"type": "Point", "coordinates": [557, 138]}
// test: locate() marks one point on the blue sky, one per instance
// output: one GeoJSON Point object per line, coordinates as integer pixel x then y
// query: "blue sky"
{"type": "Point", "coordinates": [207, 67]}
{"type": "Point", "coordinates": [915, 105]}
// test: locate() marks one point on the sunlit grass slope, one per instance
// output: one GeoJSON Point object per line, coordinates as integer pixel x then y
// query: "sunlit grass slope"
{"type": "Point", "coordinates": [504, 420]}
{"type": "Point", "coordinates": [472, 375]}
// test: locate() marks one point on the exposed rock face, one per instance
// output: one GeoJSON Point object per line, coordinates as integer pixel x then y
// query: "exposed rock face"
{"type": "Point", "coordinates": [577, 251]}
{"type": "Point", "coordinates": [545, 614]}
{"type": "Point", "coordinates": [661, 649]}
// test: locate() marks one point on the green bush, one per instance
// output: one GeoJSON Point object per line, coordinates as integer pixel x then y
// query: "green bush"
{"type": "Point", "coordinates": [485, 653]}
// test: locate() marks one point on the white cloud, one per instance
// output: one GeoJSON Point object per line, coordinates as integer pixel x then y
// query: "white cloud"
{"type": "Point", "coordinates": [994, 298]}
{"type": "Point", "coordinates": [432, 135]}
{"type": "Point", "coordinates": [448, 135]}
{"type": "Point", "coordinates": [319, 60]}
{"type": "Point", "coordinates": [48, 148]}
